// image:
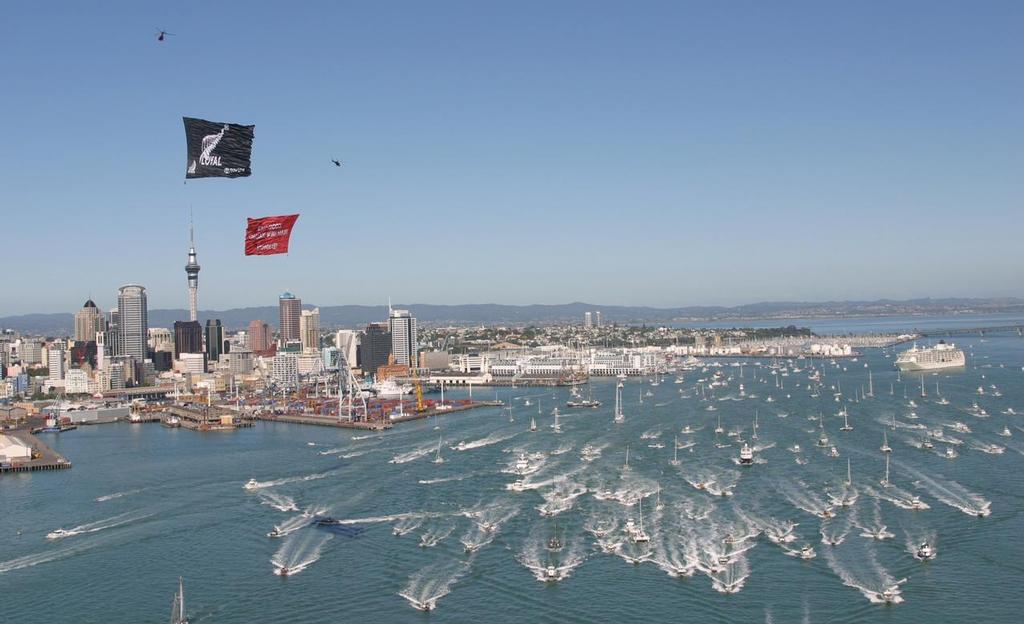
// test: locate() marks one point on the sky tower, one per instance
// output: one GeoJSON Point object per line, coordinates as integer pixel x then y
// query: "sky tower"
{"type": "Point", "coordinates": [192, 271]}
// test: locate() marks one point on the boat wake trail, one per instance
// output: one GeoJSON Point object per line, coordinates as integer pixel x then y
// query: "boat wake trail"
{"type": "Point", "coordinates": [278, 501]}
{"type": "Point", "coordinates": [449, 479]}
{"type": "Point", "coordinates": [93, 527]}
{"type": "Point", "coordinates": [835, 530]}
{"type": "Point", "coordinates": [801, 497]}
{"type": "Point", "coordinates": [874, 528]}
{"type": "Point", "coordinates": [422, 451]}
{"type": "Point", "coordinates": [299, 552]}
{"type": "Point", "coordinates": [951, 493]}
{"type": "Point", "coordinates": [494, 438]}
{"type": "Point", "coordinates": [561, 497]}
{"type": "Point", "coordinates": [550, 566]}
{"type": "Point", "coordinates": [432, 583]}
{"type": "Point", "coordinates": [294, 523]}
{"type": "Point", "coordinates": [435, 534]}
{"type": "Point", "coordinates": [856, 564]}
{"type": "Point", "coordinates": [28, 561]}
{"type": "Point", "coordinates": [103, 499]}
{"type": "Point", "coordinates": [259, 485]}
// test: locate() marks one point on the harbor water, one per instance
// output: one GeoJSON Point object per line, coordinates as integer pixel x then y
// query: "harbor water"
{"type": "Point", "coordinates": [145, 504]}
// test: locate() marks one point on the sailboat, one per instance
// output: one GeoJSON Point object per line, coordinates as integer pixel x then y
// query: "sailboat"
{"type": "Point", "coordinates": [619, 416]}
{"type": "Point", "coordinates": [178, 615]}
{"type": "Point", "coordinates": [719, 428]}
{"type": "Point", "coordinates": [437, 458]}
{"type": "Point", "coordinates": [556, 426]}
{"type": "Point", "coordinates": [923, 393]}
{"type": "Point", "coordinates": [533, 424]}
{"type": "Point", "coordinates": [638, 534]}
{"type": "Point", "coordinates": [885, 448]}
{"type": "Point", "coordinates": [675, 454]}
{"type": "Point", "coordinates": [753, 436]}
{"type": "Point", "coordinates": [626, 465]}
{"type": "Point", "coordinates": [846, 422]}
{"type": "Point", "coordinates": [885, 479]}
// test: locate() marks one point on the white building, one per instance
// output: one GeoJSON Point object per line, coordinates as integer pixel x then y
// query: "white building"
{"type": "Point", "coordinates": [12, 448]}
{"type": "Point", "coordinates": [77, 382]}
{"type": "Point", "coordinates": [55, 361]}
{"type": "Point", "coordinates": [194, 363]}
{"type": "Point", "coordinates": [347, 343]}
{"type": "Point", "coordinates": [285, 370]}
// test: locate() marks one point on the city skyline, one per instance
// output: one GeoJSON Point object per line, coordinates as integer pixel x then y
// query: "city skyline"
{"type": "Point", "coordinates": [733, 155]}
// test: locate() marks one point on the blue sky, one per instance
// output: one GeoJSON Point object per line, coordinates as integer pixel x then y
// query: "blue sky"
{"type": "Point", "coordinates": [649, 153]}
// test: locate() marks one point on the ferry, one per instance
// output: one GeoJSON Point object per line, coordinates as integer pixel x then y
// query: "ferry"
{"type": "Point", "coordinates": [940, 356]}
{"type": "Point", "coordinates": [746, 455]}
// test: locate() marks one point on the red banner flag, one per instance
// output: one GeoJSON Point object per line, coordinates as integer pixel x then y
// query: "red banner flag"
{"type": "Point", "coordinates": [267, 236]}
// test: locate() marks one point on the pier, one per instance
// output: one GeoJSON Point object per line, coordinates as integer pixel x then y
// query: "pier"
{"type": "Point", "coordinates": [43, 457]}
{"type": "Point", "coordinates": [375, 424]}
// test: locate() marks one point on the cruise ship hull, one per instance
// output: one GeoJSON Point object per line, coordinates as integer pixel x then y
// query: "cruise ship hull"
{"type": "Point", "coordinates": [927, 366]}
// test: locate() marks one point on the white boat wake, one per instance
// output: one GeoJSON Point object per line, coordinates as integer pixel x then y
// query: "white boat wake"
{"type": "Point", "coordinates": [259, 485]}
{"type": "Point", "coordinates": [493, 438]}
{"type": "Point", "coordinates": [432, 583]}
{"type": "Point", "coordinates": [856, 564]}
{"type": "Point", "coordinates": [115, 495]}
{"type": "Point", "coordinates": [951, 493]}
{"type": "Point", "coordinates": [278, 501]}
{"type": "Point", "coordinates": [299, 552]}
{"type": "Point", "coordinates": [435, 534]}
{"type": "Point", "coordinates": [93, 527]}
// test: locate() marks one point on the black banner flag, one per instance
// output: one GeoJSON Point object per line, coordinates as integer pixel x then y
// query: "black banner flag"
{"type": "Point", "coordinates": [218, 150]}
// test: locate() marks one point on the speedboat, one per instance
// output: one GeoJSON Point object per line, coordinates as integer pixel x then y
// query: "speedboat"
{"type": "Point", "coordinates": [823, 440]}
{"type": "Point", "coordinates": [522, 464]}
{"type": "Point", "coordinates": [554, 543]}
{"type": "Point", "coordinates": [325, 521]}
{"type": "Point", "coordinates": [917, 504]}
{"type": "Point", "coordinates": [551, 573]}
{"type": "Point", "coordinates": [516, 486]}
{"type": "Point", "coordinates": [890, 594]}
{"type": "Point", "coordinates": [927, 444]}
{"type": "Point", "coordinates": [251, 484]}
{"type": "Point", "coordinates": [950, 453]}
{"type": "Point", "coordinates": [925, 551]}
{"type": "Point", "coordinates": [58, 533]}
{"type": "Point", "coordinates": [960, 427]}
{"type": "Point", "coordinates": [1006, 432]}
{"type": "Point", "coordinates": [807, 552]}
{"type": "Point", "coordinates": [826, 513]}
{"type": "Point", "coordinates": [276, 532]}
{"type": "Point", "coordinates": [283, 571]}
{"type": "Point", "coordinates": [833, 452]}
{"type": "Point", "coordinates": [795, 448]}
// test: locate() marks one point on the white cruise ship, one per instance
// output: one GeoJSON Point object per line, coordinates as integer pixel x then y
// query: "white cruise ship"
{"type": "Point", "coordinates": [941, 355]}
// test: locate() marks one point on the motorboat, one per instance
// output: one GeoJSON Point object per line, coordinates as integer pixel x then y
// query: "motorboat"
{"type": "Point", "coordinates": [516, 486]}
{"type": "Point", "coordinates": [807, 552]}
{"type": "Point", "coordinates": [925, 552]}
{"type": "Point", "coordinates": [251, 484]}
{"type": "Point", "coordinates": [58, 534]}
{"type": "Point", "coordinates": [747, 455]}
{"type": "Point", "coordinates": [283, 571]}
{"type": "Point", "coordinates": [917, 504]}
{"type": "Point", "coordinates": [950, 453]}
{"type": "Point", "coordinates": [522, 464]}
{"type": "Point", "coordinates": [833, 452]}
{"type": "Point", "coordinates": [1006, 433]}
{"type": "Point", "coordinates": [276, 532]}
{"type": "Point", "coordinates": [554, 543]}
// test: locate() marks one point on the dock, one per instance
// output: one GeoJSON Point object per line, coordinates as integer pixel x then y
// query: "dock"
{"type": "Point", "coordinates": [375, 424]}
{"type": "Point", "coordinates": [48, 459]}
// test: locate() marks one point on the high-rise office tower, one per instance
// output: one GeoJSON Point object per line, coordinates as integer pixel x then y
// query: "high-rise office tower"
{"type": "Point", "coordinates": [55, 360]}
{"type": "Point", "coordinates": [88, 321]}
{"type": "Point", "coordinates": [101, 350]}
{"type": "Point", "coordinates": [115, 345]}
{"type": "Point", "coordinates": [133, 321]}
{"type": "Point", "coordinates": [309, 329]}
{"type": "Point", "coordinates": [214, 340]}
{"type": "Point", "coordinates": [188, 337]}
{"type": "Point", "coordinates": [258, 337]}
{"type": "Point", "coordinates": [347, 343]}
{"type": "Point", "coordinates": [290, 308]}
{"type": "Point", "coordinates": [403, 336]}
{"type": "Point", "coordinates": [374, 347]}
{"type": "Point", "coordinates": [192, 273]}
{"type": "Point", "coordinates": [587, 320]}
{"type": "Point", "coordinates": [597, 317]}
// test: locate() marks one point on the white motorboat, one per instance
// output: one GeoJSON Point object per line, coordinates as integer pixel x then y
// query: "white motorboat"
{"type": "Point", "coordinates": [58, 534]}
{"type": "Point", "coordinates": [950, 453]}
{"type": "Point", "coordinates": [925, 552]}
{"type": "Point", "coordinates": [251, 484]}
{"type": "Point", "coordinates": [746, 455]}
{"type": "Point", "coordinates": [833, 452]}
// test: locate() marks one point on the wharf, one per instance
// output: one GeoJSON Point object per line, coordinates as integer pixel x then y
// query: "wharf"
{"type": "Point", "coordinates": [450, 409]}
{"type": "Point", "coordinates": [49, 459]}
{"type": "Point", "coordinates": [375, 424]}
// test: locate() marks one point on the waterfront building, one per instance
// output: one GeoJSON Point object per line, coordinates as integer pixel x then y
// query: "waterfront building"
{"type": "Point", "coordinates": [188, 338]}
{"type": "Point", "coordinates": [290, 310]}
{"type": "Point", "coordinates": [194, 363]}
{"type": "Point", "coordinates": [116, 378]}
{"type": "Point", "coordinates": [347, 342]}
{"type": "Point", "coordinates": [214, 340]}
{"type": "Point", "coordinates": [403, 336]}
{"type": "Point", "coordinates": [134, 320]}
{"type": "Point", "coordinates": [76, 382]}
{"type": "Point", "coordinates": [285, 370]}
{"type": "Point", "coordinates": [309, 329]}
{"type": "Point", "coordinates": [375, 347]}
{"type": "Point", "coordinates": [88, 321]}
{"type": "Point", "coordinates": [192, 276]}
{"type": "Point", "coordinates": [55, 361]}
{"type": "Point", "coordinates": [259, 337]}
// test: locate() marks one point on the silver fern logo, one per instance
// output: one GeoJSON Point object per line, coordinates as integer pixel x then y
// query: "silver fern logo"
{"type": "Point", "coordinates": [210, 141]}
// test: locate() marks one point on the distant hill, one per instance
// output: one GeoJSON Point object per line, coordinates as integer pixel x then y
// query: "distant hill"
{"type": "Point", "coordinates": [490, 313]}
